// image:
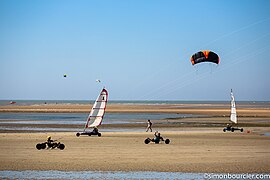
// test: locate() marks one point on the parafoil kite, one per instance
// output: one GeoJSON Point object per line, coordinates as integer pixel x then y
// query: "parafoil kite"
{"type": "Point", "coordinates": [204, 56]}
{"type": "Point", "coordinates": [65, 75]}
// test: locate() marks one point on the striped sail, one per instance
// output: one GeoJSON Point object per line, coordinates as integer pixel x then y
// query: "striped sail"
{"type": "Point", "coordinates": [98, 110]}
{"type": "Point", "coordinates": [233, 117]}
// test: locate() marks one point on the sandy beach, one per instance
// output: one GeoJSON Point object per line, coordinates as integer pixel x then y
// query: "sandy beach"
{"type": "Point", "coordinates": [188, 152]}
{"type": "Point", "coordinates": [193, 148]}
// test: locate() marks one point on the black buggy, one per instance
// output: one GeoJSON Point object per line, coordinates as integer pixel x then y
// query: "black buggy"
{"type": "Point", "coordinates": [50, 144]}
{"type": "Point", "coordinates": [89, 133]}
{"type": "Point", "coordinates": [157, 139]}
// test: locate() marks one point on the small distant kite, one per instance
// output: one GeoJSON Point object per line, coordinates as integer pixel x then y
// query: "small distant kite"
{"type": "Point", "coordinates": [65, 75]}
{"type": "Point", "coordinates": [204, 56]}
{"type": "Point", "coordinates": [98, 80]}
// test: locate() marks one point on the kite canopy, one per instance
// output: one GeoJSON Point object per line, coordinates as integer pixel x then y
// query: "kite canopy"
{"type": "Point", "coordinates": [204, 56]}
{"type": "Point", "coordinates": [65, 75]}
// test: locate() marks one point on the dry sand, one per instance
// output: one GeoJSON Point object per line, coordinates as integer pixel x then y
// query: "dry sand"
{"type": "Point", "coordinates": [189, 151]}
{"type": "Point", "coordinates": [192, 149]}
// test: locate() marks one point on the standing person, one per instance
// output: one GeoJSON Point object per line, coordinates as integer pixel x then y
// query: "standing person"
{"type": "Point", "coordinates": [149, 125]}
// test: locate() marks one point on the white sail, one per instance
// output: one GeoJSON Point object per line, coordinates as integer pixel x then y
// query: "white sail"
{"type": "Point", "coordinates": [233, 117]}
{"type": "Point", "coordinates": [98, 110]}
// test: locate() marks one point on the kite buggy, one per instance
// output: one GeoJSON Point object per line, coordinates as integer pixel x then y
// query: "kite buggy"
{"type": "Point", "coordinates": [89, 133]}
{"type": "Point", "coordinates": [232, 129]}
{"type": "Point", "coordinates": [96, 115]}
{"type": "Point", "coordinates": [156, 139]}
{"type": "Point", "coordinates": [50, 144]}
{"type": "Point", "coordinates": [233, 117]}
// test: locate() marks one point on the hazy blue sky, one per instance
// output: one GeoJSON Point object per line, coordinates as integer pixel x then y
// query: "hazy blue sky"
{"type": "Point", "coordinates": [139, 49]}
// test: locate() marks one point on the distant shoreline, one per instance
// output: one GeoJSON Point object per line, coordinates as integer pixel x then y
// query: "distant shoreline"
{"type": "Point", "coordinates": [253, 110]}
{"type": "Point", "coordinates": [138, 102]}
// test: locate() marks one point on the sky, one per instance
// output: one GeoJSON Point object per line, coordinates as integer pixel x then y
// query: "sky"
{"type": "Point", "coordinates": [139, 49]}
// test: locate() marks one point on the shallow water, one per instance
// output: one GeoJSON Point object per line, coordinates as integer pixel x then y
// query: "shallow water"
{"type": "Point", "coordinates": [97, 175]}
{"type": "Point", "coordinates": [25, 119]}
{"type": "Point", "coordinates": [80, 118]}
{"type": "Point", "coordinates": [126, 175]}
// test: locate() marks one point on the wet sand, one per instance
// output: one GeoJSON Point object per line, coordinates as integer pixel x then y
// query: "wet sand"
{"type": "Point", "coordinates": [201, 109]}
{"type": "Point", "coordinates": [195, 147]}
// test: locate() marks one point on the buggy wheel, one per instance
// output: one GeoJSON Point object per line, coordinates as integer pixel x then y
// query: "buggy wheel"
{"type": "Point", "coordinates": [99, 134]}
{"type": "Point", "coordinates": [61, 146]}
{"type": "Point", "coordinates": [78, 134]}
{"type": "Point", "coordinates": [147, 141]}
{"type": "Point", "coordinates": [224, 130]}
{"type": "Point", "coordinates": [232, 129]}
{"type": "Point", "coordinates": [38, 146]}
{"type": "Point", "coordinates": [167, 141]}
{"type": "Point", "coordinates": [241, 129]}
{"type": "Point", "coordinates": [43, 145]}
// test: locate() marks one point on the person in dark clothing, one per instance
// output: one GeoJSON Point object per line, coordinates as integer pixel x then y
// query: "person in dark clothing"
{"type": "Point", "coordinates": [95, 130]}
{"type": "Point", "coordinates": [229, 126]}
{"type": "Point", "coordinates": [50, 142]}
{"type": "Point", "coordinates": [157, 137]}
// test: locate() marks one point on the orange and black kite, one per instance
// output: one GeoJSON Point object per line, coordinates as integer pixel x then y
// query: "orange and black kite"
{"type": "Point", "coordinates": [204, 56]}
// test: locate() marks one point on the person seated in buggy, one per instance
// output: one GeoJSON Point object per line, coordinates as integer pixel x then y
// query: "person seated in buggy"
{"type": "Point", "coordinates": [157, 137]}
{"type": "Point", "coordinates": [229, 126]}
{"type": "Point", "coordinates": [95, 131]}
{"type": "Point", "coordinates": [50, 142]}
